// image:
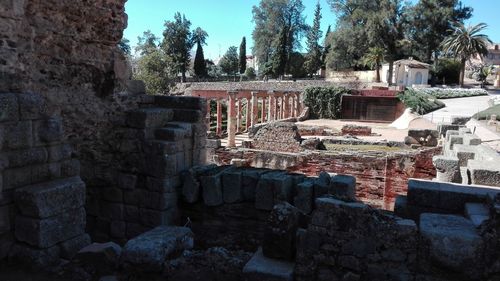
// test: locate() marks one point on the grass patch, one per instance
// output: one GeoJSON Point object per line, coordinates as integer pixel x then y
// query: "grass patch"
{"type": "Point", "coordinates": [485, 114]}
{"type": "Point", "coordinates": [420, 103]}
{"type": "Point", "coordinates": [440, 93]}
{"type": "Point", "coordinates": [361, 147]}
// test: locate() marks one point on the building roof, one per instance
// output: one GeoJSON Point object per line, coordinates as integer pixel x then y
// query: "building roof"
{"type": "Point", "coordinates": [412, 63]}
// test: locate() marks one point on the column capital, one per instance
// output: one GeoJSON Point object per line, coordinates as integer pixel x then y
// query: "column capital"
{"type": "Point", "coordinates": [254, 93]}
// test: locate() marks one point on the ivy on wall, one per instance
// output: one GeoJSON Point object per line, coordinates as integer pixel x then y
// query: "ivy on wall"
{"type": "Point", "coordinates": [325, 102]}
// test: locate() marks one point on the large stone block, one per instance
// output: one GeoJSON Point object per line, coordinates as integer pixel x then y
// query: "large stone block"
{"type": "Point", "coordinates": [149, 117]}
{"type": "Point", "coordinates": [447, 168]}
{"type": "Point", "coordinates": [280, 233]}
{"type": "Point", "coordinates": [18, 135]}
{"type": "Point", "coordinates": [188, 115]}
{"type": "Point", "coordinates": [6, 218]}
{"type": "Point", "coordinates": [249, 180]}
{"type": "Point", "coordinates": [322, 184]}
{"type": "Point", "coordinates": [158, 201]}
{"type": "Point", "coordinates": [470, 139]}
{"type": "Point", "coordinates": [9, 108]}
{"type": "Point", "coordinates": [424, 137]}
{"type": "Point", "coordinates": [148, 251]}
{"type": "Point", "coordinates": [153, 218]}
{"type": "Point", "coordinates": [25, 157]}
{"type": "Point", "coordinates": [59, 152]}
{"type": "Point", "coordinates": [453, 242]}
{"type": "Point", "coordinates": [262, 268]}
{"type": "Point", "coordinates": [50, 198]}
{"type": "Point", "coordinates": [155, 147]}
{"type": "Point", "coordinates": [161, 166]}
{"type": "Point", "coordinates": [343, 187]}
{"type": "Point", "coordinates": [34, 106]}
{"type": "Point", "coordinates": [48, 131]}
{"type": "Point", "coordinates": [35, 257]}
{"type": "Point", "coordinates": [17, 177]}
{"type": "Point", "coordinates": [163, 185]}
{"type": "Point", "coordinates": [102, 258]}
{"type": "Point", "coordinates": [231, 186]}
{"type": "Point", "coordinates": [172, 134]}
{"type": "Point", "coordinates": [211, 185]}
{"type": "Point", "coordinates": [303, 199]}
{"type": "Point", "coordinates": [44, 233]}
{"type": "Point", "coordinates": [464, 153]}
{"type": "Point", "coordinates": [182, 102]}
{"type": "Point", "coordinates": [272, 189]}
{"type": "Point", "coordinates": [484, 172]}
{"type": "Point", "coordinates": [70, 247]}
{"type": "Point", "coordinates": [126, 181]}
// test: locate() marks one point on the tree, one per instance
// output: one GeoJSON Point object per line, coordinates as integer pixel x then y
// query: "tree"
{"type": "Point", "coordinates": [279, 59]}
{"type": "Point", "coordinates": [177, 44]}
{"type": "Point", "coordinates": [313, 57]}
{"type": "Point", "coordinates": [466, 42]}
{"type": "Point", "coordinates": [297, 69]}
{"type": "Point", "coordinates": [243, 55]}
{"type": "Point", "coordinates": [229, 62]}
{"type": "Point", "coordinates": [250, 73]}
{"type": "Point", "coordinates": [374, 59]}
{"type": "Point", "coordinates": [271, 17]}
{"type": "Point", "coordinates": [124, 45]}
{"type": "Point", "coordinates": [199, 38]}
{"type": "Point", "coordinates": [148, 43]}
{"type": "Point", "coordinates": [326, 48]}
{"type": "Point", "coordinates": [430, 21]}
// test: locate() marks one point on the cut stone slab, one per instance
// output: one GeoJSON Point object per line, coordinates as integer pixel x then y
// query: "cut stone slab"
{"type": "Point", "coordinates": [470, 139]}
{"type": "Point", "coordinates": [454, 241]}
{"type": "Point", "coordinates": [211, 185]}
{"type": "Point", "coordinates": [37, 258]}
{"type": "Point", "coordinates": [148, 251]}
{"type": "Point", "coordinates": [272, 189]}
{"type": "Point", "coordinates": [70, 247]}
{"type": "Point", "coordinates": [303, 199]}
{"type": "Point", "coordinates": [343, 186]}
{"type": "Point", "coordinates": [321, 184]}
{"type": "Point", "coordinates": [262, 268]}
{"type": "Point", "coordinates": [101, 257]}
{"type": "Point", "coordinates": [231, 186]}
{"type": "Point", "coordinates": [464, 153]}
{"type": "Point", "coordinates": [51, 198]}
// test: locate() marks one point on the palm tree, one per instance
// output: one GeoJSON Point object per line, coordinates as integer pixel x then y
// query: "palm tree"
{"type": "Point", "coordinates": [466, 42]}
{"type": "Point", "coordinates": [374, 59]}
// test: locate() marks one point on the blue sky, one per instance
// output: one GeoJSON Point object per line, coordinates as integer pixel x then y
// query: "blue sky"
{"type": "Point", "coordinates": [227, 21]}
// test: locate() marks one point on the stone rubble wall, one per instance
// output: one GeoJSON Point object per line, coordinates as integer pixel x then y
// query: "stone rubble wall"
{"type": "Point", "coordinates": [380, 177]}
{"type": "Point", "coordinates": [277, 136]}
{"type": "Point", "coordinates": [42, 197]}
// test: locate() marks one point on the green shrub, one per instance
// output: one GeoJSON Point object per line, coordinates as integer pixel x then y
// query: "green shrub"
{"type": "Point", "coordinates": [250, 73]}
{"type": "Point", "coordinates": [447, 71]}
{"type": "Point", "coordinates": [485, 114]}
{"type": "Point", "coordinates": [325, 102]}
{"type": "Point", "coordinates": [448, 93]}
{"type": "Point", "coordinates": [420, 103]}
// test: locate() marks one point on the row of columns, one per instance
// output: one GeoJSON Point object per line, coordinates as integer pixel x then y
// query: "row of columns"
{"type": "Point", "coordinates": [273, 106]}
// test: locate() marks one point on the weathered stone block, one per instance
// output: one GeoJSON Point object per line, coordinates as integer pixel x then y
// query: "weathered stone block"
{"type": "Point", "coordinates": [47, 232]}
{"type": "Point", "coordinates": [163, 185]}
{"type": "Point", "coordinates": [70, 247]}
{"type": "Point", "coordinates": [454, 242]}
{"type": "Point", "coordinates": [9, 108]}
{"type": "Point", "coordinates": [188, 115]}
{"type": "Point", "coordinates": [158, 201]}
{"type": "Point", "coordinates": [249, 180]}
{"type": "Point", "coordinates": [155, 147]}
{"type": "Point", "coordinates": [148, 251]}
{"type": "Point", "coordinates": [322, 184]}
{"type": "Point", "coordinates": [484, 172]}
{"type": "Point", "coordinates": [477, 213]}
{"type": "Point", "coordinates": [38, 258]}
{"type": "Point", "coordinates": [280, 233]}
{"type": "Point", "coordinates": [343, 187]}
{"type": "Point", "coordinates": [51, 198]}
{"type": "Point", "coordinates": [470, 139]}
{"type": "Point", "coordinates": [424, 137]}
{"type": "Point", "coordinates": [112, 194]}
{"type": "Point", "coordinates": [172, 134]}
{"type": "Point", "coordinates": [231, 186]}
{"type": "Point", "coordinates": [17, 177]}
{"type": "Point", "coordinates": [454, 139]}
{"type": "Point", "coordinates": [448, 169]}
{"type": "Point", "coordinates": [273, 188]}
{"type": "Point", "coordinates": [6, 213]}
{"type": "Point", "coordinates": [34, 106]}
{"type": "Point", "coordinates": [19, 158]}
{"type": "Point", "coordinates": [117, 229]}
{"type": "Point", "coordinates": [211, 185]}
{"type": "Point", "coordinates": [131, 214]}
{"type": "Point", "coordinates": [102, 258]}
{"type": "Point", "coordinates": [152, 218]}
{"type": "Point", "coordinates": [59, 152]}
{"type": "Point", "coordinates": [149, 117]}
{"type": "Point", "coordinates": [126, 181]}
{"type": "Point", "coordinates": [262, 268]}
{"type": "Point", "coordinates": [303, 199]}
{"type": "Point", "coordinates": [161, 166]}
{"type": "Point", "coordinates": [18, 135]}
{"type": "Point", "coordinates": [464, 153]}
{"type": "Point", "coordinates": [182, 102]}
{"type": "Point", "coordinates": [48, 131]}
{"type": "Point", "coordinates": [111, 211]}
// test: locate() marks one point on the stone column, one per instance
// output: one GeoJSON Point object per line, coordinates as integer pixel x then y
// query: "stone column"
{"type": "Point", "coordinates": [287, 106]}
{"type": "Point", "coordinates": [218, 131]}
{"type": "Point", "coordinates": [298, 106]}
{"type": "Point", "coordinates": [497, 81]}
{"type": "Point", "coordinates": [238, 114]}
{"type": "Point", "coordinates": [248, 114]}
{"type": "Point", "coordinates": [271, 107]}
{"type": "Point", "coordinates": [263, 119]}
{"type": "Point", "coordinates": [208, 115]}
{"type": "Point", "coordinates": [231, 120]}
{"type": "Point", "coordinates": [255, 109]}
{"type": "Point", "coordinates": [293, 106]}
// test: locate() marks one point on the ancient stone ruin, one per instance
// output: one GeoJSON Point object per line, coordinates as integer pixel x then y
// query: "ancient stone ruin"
{"type": "Point", "coordinates": [99, 180]}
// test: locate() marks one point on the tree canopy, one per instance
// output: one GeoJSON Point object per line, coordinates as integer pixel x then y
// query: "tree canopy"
{"type": "Point", "coordinates": [243, 55]}
{"type": "Point", "coordinates": [314, 50]}
{"type": "Point", "coordinates": [177, 44]}
{"type": "Point", "coordinates": [229, 62]}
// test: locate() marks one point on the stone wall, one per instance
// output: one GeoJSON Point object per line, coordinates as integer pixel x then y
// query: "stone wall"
{"type": "Point", "coordinates": [277, 136]}
{"type": "Point", "coordinates": [380, 177]}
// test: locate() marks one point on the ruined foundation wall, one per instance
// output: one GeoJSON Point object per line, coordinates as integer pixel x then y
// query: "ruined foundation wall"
{"type": "Point", "coordinates": [379, 178]}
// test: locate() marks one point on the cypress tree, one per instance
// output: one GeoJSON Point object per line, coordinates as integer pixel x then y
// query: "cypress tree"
{"type": "Point", "coordinates": [243, 55]}
{"type": "Point", "coordinates": [200, 68]}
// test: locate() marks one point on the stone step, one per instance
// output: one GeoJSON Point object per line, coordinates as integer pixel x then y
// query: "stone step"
{"type": "Point", "coordinates": [148, 251]}
{"type": "Point", "coordinates": [477, 213]}
{"type": "Point", "coordinates": [484, 172]}
{"type": "Point", "coordinates": [189, 115]}
{"type": "Point", "coordinates": [149, 117]}
{"type": "Point", "coordinates": [262, 268]}
{"type": "Point", "coordinates": [188, 127]}
{"type": "Point", "coordinates": [50, 198]}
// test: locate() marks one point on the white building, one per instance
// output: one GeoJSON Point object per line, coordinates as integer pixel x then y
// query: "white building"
{"type": "Point", "coordinates": [407, 72]}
